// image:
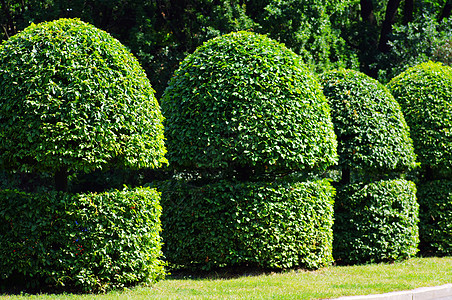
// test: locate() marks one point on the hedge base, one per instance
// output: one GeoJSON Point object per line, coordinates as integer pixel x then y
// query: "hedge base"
{"type": "Point", "coordinates": [271, 225]}
{"type": "Point", "coordinates": [376, 222]}
{"type": "Point", "coordinates": [90, 242]}
{"type": "Point", "coordinates": [435, 226]}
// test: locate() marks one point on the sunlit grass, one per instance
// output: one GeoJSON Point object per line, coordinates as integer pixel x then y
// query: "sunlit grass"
{"type": "Point", "coordinates": [329, 282]}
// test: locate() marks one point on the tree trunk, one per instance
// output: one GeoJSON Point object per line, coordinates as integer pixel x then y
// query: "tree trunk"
{"type": "Point", "coordinates": [346, 176]}
{"type": "Point", "coordinates": [445, 12]}
{"type": "Point", "coordinates": [408, 12]}
{"type": "Point", "coordinates": [61, 179]}
{"type": "Point", "coordinates": [428, 175]}
{"type": "Point", "coordinates": [9, 25]}
{"type": "Point", "coordinates": [386, 29]}
{"type": "Point", "coordinates": [367, 12]}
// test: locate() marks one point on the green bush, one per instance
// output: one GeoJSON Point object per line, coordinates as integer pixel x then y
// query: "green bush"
{"type": "Point", "coordinates": [435, 213]}
{"type": "Point", "coordinates": [91, 241]}
{"type": "Point", "coordinates": [372, 133]}
{"type": "Point", "coordinates": [72, 98]}
{"type": "Point", "coordinates": [376, 222]}
{"type": "Point", "coordinates": [425, 93]}
{"type": "Point", "coordinates": [278, 224]}
{"type": "Point", "coordinates": [243, 100]}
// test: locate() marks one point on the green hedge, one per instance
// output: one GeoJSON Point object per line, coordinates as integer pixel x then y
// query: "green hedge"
{"type": "Point", "coordinates": [243, 100]}
{"type": "Point", "coordinates": [372, 133]}
{"type": "Point", "coordinates": [425, 94]}
{"type": "Point", "coordinates": [435, 213]}
{"type": "Point", "coordinates": [376, 222]}
{"type": "Point", "coordinates": [91, 242]}
{"type": "Point", "coordinates": [73, 97]}
{"type": "Point", "coordinates": [277, 224]}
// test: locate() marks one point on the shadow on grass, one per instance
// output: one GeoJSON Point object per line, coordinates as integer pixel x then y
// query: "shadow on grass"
{"type": "Point", "coordinates": [222, 273]}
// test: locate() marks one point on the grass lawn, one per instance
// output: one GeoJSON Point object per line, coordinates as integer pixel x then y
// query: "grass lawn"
{"type": "Point", "coordinates": [296, 284]}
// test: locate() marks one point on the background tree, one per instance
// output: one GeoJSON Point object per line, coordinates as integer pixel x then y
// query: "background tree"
{"type": "Point", "coordinates": [355, 34]}
{"type": "Point", "coordinates": [307, 27]}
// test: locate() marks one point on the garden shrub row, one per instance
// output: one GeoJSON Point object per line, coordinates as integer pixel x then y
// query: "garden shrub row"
{"type": "Point", "coordinates": [280, 224]}
{"type": "Point", "coordinates": [376, 222]}
{"type": "Point", "coordinates": [92, 242]}
{"type": "Point", "coordinates": [244, 116]}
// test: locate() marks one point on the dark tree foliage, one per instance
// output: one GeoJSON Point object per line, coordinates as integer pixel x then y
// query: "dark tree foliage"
{"type": "Point", "coordinates": [308, 28]}
{"type": "Point", "coordinates": [356, 34]}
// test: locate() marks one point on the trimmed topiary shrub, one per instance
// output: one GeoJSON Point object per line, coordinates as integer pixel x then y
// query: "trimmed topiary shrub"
{"type": "Point", "coordinates": [72, 98]}
{"type": "Point", "coordinates": [243, 114]}
{"type": "Point", "coordinates": [279, 224]}
{"type": "Point", "coordinates": [93, 242]}
{"type": "Point", "coordinates": [372, 134]}
{"type": "Point", "coordinates": [376, 222]}
{"type": "Point", "coordinates": [243, 101]}
{"type": "Point", "coordinates": [435, 226]}
{"type": "Point", "coordinates": [425, 94]}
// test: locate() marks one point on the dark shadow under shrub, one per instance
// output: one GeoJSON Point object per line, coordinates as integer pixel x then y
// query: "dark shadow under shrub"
{"type": "Point", "coordinates": [278, 224]}
{"type": "Point", "coordinates": [85, 242]}
{"type": "Point", "coordinates": [376, 222]}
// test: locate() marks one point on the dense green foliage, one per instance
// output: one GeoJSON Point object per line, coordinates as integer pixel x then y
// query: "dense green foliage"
{"type": "Point", "coordinates": [245, 101]}
{"type": "Point", "coordinates": [371, 130]}
{"type": "Point", "coordinates": [278, 224]}
{"type": "Point", "coordinates": [419, 41]}
{"type": "Point", "coordinates": [91, 241]}
{"type": "Point", "coordinates": [72, 97]}
{"type": "Point", "coordinates": [435, 213]}
{"type": "Point", "coordinates": [307, 28]}
{"type": "Point", "coordinates": [424, 93]}
{"type": "Point", "coordinates": [241, 112]}
{"type": "Point", "coordinates": [327, 33]}
{"type": "Point", "coordinates": [376, 222]}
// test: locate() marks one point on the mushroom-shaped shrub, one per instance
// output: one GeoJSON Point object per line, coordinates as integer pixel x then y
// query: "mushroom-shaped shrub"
{"type": "Point", "coordinates": [73, 98]}
{"type": "Point", "coordinates": [371, 130]}
{"type": "Point", "coordinates": [375, 220]}
{"type": "Point", "coordinates": [244, 101]}
{"type": "Point", "coordinates": [245, 109]}
{"type": "Point", "coordinates": [425, 94]}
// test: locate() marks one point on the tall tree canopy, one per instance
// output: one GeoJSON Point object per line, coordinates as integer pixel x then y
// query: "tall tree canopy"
{"type": "Point", "coordinates": [372, 36]}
